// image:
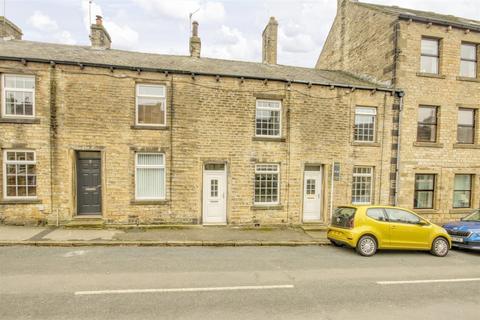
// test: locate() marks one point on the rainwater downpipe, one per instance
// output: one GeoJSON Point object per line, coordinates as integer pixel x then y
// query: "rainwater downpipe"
{"type": "Point", "coordinates": [397, 182]}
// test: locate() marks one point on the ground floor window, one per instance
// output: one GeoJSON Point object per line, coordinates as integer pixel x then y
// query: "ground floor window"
{"type": "Point", "coordinates": [424, 191]}
{"type": "Point", "coordinates": [462, 193]}
{"type": "Point", "coordinates": [267, 183]}
{"type": "Point", "coordinates": [20, 174]}
{"type": "Point", "coordinates": [150, 176]}
{"type": "Point", "coordinates": [362, 185]}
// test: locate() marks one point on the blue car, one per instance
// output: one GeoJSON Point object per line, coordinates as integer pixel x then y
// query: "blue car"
{"type": "Point", "coordinates": [465, 233]}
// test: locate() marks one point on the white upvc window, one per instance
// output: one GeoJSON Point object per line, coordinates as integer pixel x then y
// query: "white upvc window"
{"type": "Point", "coordinates": [267, 184]}
{"type": "Point", "coordinates": [268, 118]}
{"type": "Point", "coordinates": [468, 60]}
{"type": "Point", "coordinates": [19, 174]}
{"type": "Point", "coordinates": [149, 176]}
{"type": "Point", "coordinates": [18, 96]}
{"type": "Point", "coordinates": [430, 55]}
{"type": "Point", "coordinates": [365, 123]}
{"type": "Point", "coordinates": [362, 185]}
{"type": "Point", "coordinates": [151, 105]}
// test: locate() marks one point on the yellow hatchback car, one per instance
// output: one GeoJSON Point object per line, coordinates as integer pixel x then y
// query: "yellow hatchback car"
{"type": "Point", "coordinates": [368, 228]}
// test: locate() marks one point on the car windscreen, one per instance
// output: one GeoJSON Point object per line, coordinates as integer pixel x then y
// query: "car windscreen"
{"type": "Point", "coordinates": [473, 217]}
{"type": "Point", "coordinates": [343, 217]}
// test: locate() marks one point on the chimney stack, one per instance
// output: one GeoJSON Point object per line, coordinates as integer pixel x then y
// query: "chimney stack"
{"type": "Point", "coordinates": [195, 42]}
{"type": "Point", "coordinates": [269, 48]}
{"type": "Point", "coordinates": [8, 30]}
{"type": "Point", "coordinates": [99, 35]}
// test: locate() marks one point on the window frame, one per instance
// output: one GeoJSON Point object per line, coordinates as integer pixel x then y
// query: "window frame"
{"type": "Point", "coordinates": [15, 162]}
{"type": "Point", "coordinates": [374, 115]}
{"type": "Point", "coordinates": [473, 126]}
{"type": "Point", "coordinates": [436, 108]}
{"type": "Point", "coordinates": [437, 56]}
{"type": "Point", "coordinates": [372, 181]}
{"type": "Point", "coordinates": [162, 166]}
{"type": "Point", "coordinates": [475, 61]}
{"type": "Point", "coordinates": [163, 98]}
{"type": "Point", "coordinates": [4, 95]}
{"type": "Point", "coordinates": [277, 172]}
{"type": "Point", "coordinates": [463, 190]}
{"type": "Point", "coordinates": [280, 118]}
{"type": "Point", "coordinates": [433, 191]}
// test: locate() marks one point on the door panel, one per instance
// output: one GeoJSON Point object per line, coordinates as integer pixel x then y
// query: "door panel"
{"type": "Point", "coordinates": [377, 220]}
{"type": "Point", "coordinates": [405, 232]}
{"type": "Point", "coordinates": [89, 186]}
{"type": "Point", "coordinates": [312, 195]}
{"type": "Point", "coordinates": [214, 196]}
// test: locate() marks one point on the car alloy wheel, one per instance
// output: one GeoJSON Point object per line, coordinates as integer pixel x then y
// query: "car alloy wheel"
{"type": "Point", "coordinates": [367, 246]}
{"type": "Point", "coordinates": [440, 247]}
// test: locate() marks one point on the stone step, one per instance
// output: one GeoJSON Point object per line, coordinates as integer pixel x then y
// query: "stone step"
{"type": "Point", "coordinates": [86, 223]}
{"type": "Point", "coordinates": [314, 227]}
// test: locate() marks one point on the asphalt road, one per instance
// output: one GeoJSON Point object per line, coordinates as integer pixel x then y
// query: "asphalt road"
{"type": "Point", "coordinates": [236, 283]}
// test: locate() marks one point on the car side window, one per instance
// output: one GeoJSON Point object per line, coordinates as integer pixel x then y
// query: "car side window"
{"type": "Point", "coordinates": [377, 214]}
{"type": "Point", "coordinates": [401, 216]}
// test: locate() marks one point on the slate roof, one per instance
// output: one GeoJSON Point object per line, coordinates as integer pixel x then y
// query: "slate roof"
{"type": "Point", "coordinates": [424, 16]}
{"type": "Point", "coordinates": [45, 52]}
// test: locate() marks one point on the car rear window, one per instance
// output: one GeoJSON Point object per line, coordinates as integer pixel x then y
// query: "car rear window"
{"type": "Point", "coordinates": [343, 217]}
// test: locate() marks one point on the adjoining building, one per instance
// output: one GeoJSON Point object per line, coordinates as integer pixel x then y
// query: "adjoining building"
{"type": "Point", "coordinates": [434, 59]}
{"type": "Point", "coordinates": [117, 137]}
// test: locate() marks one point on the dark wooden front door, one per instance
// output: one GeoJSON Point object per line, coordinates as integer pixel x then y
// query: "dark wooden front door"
{"type": "Point", "coordinates": [89, 183]}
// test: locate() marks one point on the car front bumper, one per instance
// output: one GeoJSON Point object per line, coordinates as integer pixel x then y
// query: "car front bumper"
{"type": "Point", "coordinates": [468, 245]}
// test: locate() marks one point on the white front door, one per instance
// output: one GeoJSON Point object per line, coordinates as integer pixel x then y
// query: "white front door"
{"type": "Point", "coordinates": [214, 194]}
{"type": "Point", "coordinates": [312, 194]}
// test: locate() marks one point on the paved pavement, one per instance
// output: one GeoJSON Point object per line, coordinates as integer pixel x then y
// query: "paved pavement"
{"type": "Point", "coordinates": [189, 236]}
{"type": "Point", "coordinates": [309, 282]}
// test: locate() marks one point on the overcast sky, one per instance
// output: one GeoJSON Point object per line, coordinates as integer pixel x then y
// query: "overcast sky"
{"type": "Point", "coordinates": [229, 29]}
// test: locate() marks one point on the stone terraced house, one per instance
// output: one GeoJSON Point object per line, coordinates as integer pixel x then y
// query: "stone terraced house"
{"type": "Point", "coordinates": [388, 116]}
{"type": "Point", "coordinates": [433, 58]}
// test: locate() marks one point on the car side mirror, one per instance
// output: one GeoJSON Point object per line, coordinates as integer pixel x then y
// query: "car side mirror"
{"type": "Point", "coordinates": [422, 223]}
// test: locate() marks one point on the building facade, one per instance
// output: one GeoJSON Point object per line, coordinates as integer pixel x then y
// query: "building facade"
{"type": "Point", "coordinates": [134, 138]}
{"type": "Point", "coordinates": [433, 58]}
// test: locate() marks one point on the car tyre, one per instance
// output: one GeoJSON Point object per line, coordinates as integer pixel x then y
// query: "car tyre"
{"type": "Point", "coordinates": [366, 246]}
{"type": "Point", "coordinates": [336, 244]}
{"type": "Point", "coordinates": [440, 247]}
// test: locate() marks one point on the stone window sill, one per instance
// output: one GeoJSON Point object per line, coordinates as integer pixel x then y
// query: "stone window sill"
{"type": "Point", "coordinates": [149, 202]}
{"type": "Point", "coordinates": [137, 127]}
{"type": "Point", "coordinates": [428, 144]}
{"type": "Point", "coordinates": [466, 146]}
{"type": "Point", "coordinates": [266, 207]}
{"type": "Point", "coordinates": [468, 79]}
{"type": "Point", "coordinates": [461, 210]}
{"type": "Point", "coordinates": [20, 201]}
{"type": "Point", "coordinates": [20, 121]}
{"type": "Point", "coordinates": [273, 139]}
{"type": "Point", "coordinates": [424, 211]}
{"type": "Point", "coordinates": [365, 144]}
{"type": "Point", "coordinates": [431, 75]}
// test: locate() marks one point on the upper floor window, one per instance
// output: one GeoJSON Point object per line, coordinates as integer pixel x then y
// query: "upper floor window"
{"type": "Point", "coordinates": [365, 119]}
{"type": "Point", "coordinates": [429, 56]}
{"type": "Point", "coordinates": [424, 191]}
{"type": "Point", "coordinates": [427, 124]}
{"type": "Point", "coordinates": [362, 185]}
{"type": "Point", "coordinates": [151, 105]}
{"type": "Point", "coordinates": [149, 176]}
{"type": "Point", "coordinates": [20, 174]}
{"type": "Point", "coordinates": [18, 96]}
{"type": "Point", "coordinates": [466, 126]}
{"type": "Point", "coordinates": [267, 183]}
{"type": "Point", "coordinates": [468, 63]}
{"type": "Point", "coordinates": [268, 118]}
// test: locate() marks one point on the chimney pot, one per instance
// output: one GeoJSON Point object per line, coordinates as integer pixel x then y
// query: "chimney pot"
{"type": "Point", "coordinates": [269, 37]}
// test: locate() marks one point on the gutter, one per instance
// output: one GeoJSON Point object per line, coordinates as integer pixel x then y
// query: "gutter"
{"type": "Point", "coordinates": [185, 72]}
{"type": "Point", "coordinates": [439, 22]}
